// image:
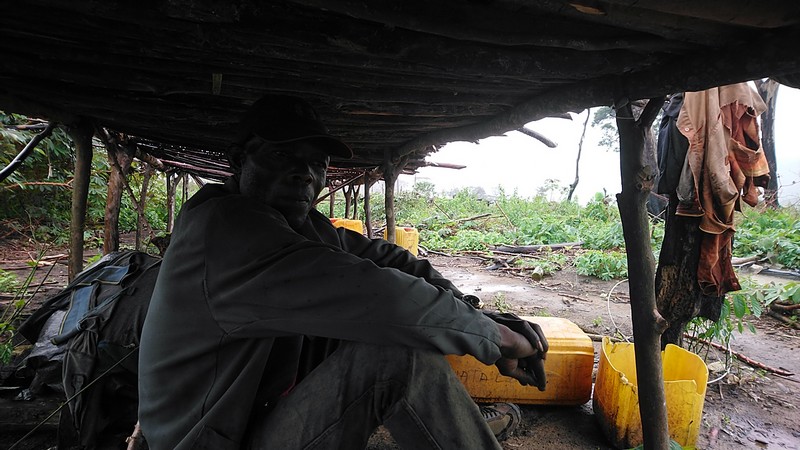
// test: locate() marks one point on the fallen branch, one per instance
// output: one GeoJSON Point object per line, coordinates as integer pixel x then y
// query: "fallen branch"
{"type": "Point", "coordinates": [535, 248]}
{"type": "Point", "coordinates": [780, 307]}
{"type": "Point", "coordinates": [599, 337]}
{"type": "Point", "coordinates": [782, 318]}
{"type": "Point", "coordinates": [467, 219]}
{"type": "Point", "coordinates": [741, 357]}
{"type": "Point", "coordinates": [574, 297]}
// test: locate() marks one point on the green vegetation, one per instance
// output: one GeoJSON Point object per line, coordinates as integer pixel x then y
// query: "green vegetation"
{"type": "Point", "coordinates": [36, 204]}
{"type": "Point", "coordinates": [9, 317]}
{"type": "Point", "coordinates": [8, 281]}
{"type": "Point", "coordinates": [605, 265]}
{"type": "Point", "coordinates": [772, 233]}
{"type": "Point", "coordinates": [768, 233]}
{"type": "Point", "coordinates": [500, 304]}
{"type": "Point", "coordinates": [37, 197]}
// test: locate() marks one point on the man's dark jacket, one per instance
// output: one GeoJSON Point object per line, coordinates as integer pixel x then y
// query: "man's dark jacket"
{"type": "Point", "coordinates": [239, 289]}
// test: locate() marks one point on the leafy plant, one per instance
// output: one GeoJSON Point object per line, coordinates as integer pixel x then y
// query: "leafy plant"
{"type": "Point", "coordinates": [8, 281]}
{"type": "Point", "coordinates": [13, 310]}
{"type": "Point", "coordinates": [499, 302]}
{"type": "Point", "coordinates": [603, 265]}
{"type": "Point", "coordinates": [737, 307]}
{"type": "Point", "coordinates": [548, 262]}
{"type": "Point", "coordinates": [774, 233]}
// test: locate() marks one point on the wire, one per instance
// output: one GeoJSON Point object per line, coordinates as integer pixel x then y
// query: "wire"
{"type": "Point", "coordinates": [608, 308]}
{"type": "Point", "coordinates": [74, 396]}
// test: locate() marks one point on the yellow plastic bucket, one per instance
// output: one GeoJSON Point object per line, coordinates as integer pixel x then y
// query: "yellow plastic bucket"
{"type": "Point", "coordinates": [616, 398]}
{"type": "Point", "coordinates": [406, 237]}
{"type": "Point", "coordinates": [568, 367]}
{"type": "Point", "coordinates": [355, 225]}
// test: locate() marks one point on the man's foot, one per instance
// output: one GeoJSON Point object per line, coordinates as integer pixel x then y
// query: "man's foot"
{"type": "Point", "coordinates": [502, 418]}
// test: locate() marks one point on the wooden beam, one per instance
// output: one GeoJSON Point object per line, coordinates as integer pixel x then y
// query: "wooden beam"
{"type": "Point", "coordinates": [120, 159]}
{"type": "Point", "coordinates": [81, 135]}
{"type": "Point", "coordinates": [637, 180]}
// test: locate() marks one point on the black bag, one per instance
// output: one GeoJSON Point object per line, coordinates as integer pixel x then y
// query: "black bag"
{"type": "Point", "coordinates": [105, 309]}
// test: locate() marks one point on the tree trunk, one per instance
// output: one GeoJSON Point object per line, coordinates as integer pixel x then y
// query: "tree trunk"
{"type": "Point", "coordinates": [348, 200]}
{"type": "Point", "coordinates": [768, 90]}
{"type": "Point", "coordinates": [82, 137]}
{"type": "Point", "coordinates": [367, 208]}
{"type": "Point", "coordinates": [578, 159]}
{"type": "Point", "coordinates": [119, 158]}
{"type": "Point", "coordinates": [184, 188]}
{"type": "Point", "coordinates": [172, 189]}
{"type": "Point", "coordinates": [331, 202]}
{"type": "Point", "coordinates": [142, 227]}
{"type": "Point", "coordinates": [356, 191]}
{"type": "Point", "coordinates": [638, 175]}
{"type": "Point", "coordinates": [389, 178]}
{"type": "Point", "coordinates": [391, 169]}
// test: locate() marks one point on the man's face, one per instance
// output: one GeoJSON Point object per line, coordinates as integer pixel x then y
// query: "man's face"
{"type": "Point", "coordinates": [287, 177]}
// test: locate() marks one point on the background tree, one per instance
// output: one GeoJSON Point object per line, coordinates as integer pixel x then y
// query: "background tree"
{"type": "Point", "coordinates": [768, 90]}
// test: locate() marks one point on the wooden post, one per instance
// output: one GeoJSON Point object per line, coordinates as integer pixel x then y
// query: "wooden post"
{"type": "Point", "coordinates": [356, 191]}
{"type": "Point", "coordinates": [392, 167]}
{"type": "Point", "coordinates": [120, 159]}
{"type": "Point", "coordinates": [367, 209]}
{"type": "Point", "coordinates": [348, 200]}
{"type": "Point", "coordinates": [142, 227]}
{"type": "Point", "coordinates": [637, 180]}
{"type": "Point", "coordinates": [172, 188]}
{"type": "Point", "coordinates": [331, 202]}
{"type": "Point", "coordinates": [184, 188]}
{"type": "Point", "coordinates": [768, 90]}
{"type": "Point", "coordinates": [81, 135]}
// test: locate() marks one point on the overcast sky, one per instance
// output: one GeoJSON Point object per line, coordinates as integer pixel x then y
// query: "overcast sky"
{"type": "Point", "coordinates": [518, 162]}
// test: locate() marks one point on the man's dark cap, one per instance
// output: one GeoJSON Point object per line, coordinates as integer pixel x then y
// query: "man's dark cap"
{"type": "Point", "coordinates": [280, 119]}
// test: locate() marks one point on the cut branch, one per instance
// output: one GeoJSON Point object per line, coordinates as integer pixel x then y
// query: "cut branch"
{"type": "Point", "coordinates": [741, 357]}
{"type": "Point", "coordinates": [535, 248]}
{"type": "Point", "coordinates": [538, 136]}
{"type": "Point", "coordinates": [26, 151]}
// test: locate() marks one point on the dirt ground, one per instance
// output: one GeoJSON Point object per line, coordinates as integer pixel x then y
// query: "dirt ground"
{"type": "Point", "coordinates": [747, 408]}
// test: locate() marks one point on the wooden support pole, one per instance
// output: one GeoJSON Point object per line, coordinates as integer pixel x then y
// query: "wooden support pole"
{"type": "Point", "coordinates": [638, 175]}
{"type": "Point", "coordinates": [332, 203]}
{"type": "Point", "coordinates": [768, 90]}
{"type": "Point", "coordinates": [348, 200]}
{"type": "Point", "coordinates": [120, 159]}
{"type": "Point", "coordinates": [389, 178]}
{"type": "Point", "coordinates": [367, 209]}
{"type": "Point", "coordinates": [356, 191]}
{"type": "Point", "coordinates": [391, 169]}
{"type": "Point", "coordinates": [172, 189]}
{"type": "Point", "coordinates": [142, 226]}
{"type": "Point", "coordinates": [81, 135]}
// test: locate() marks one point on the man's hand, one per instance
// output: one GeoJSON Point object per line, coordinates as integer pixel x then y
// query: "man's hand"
{"type": "Point", "coordinates": [524, 348]}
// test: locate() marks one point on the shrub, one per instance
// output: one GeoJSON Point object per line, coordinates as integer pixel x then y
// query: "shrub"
{"type": "Point", "coordinates": [603, 265]}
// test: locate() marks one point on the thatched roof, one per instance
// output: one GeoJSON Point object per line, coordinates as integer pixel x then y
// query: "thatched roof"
{"type": "Point", "coordinates": [390, 78]}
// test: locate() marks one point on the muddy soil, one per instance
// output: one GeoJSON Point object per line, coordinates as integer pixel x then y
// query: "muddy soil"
{"type": "Point", "coordinates": [746, 408]}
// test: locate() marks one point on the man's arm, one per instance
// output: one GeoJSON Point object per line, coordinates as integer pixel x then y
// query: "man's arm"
{"type": "Point", "coordinates": [386, 254]}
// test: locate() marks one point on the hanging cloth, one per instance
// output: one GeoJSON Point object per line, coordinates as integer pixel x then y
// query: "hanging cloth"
{"type": "Point", "coordinates": [724, 164]}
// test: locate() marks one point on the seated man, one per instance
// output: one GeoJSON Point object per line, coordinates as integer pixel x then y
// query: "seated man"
{"type": "Point", "coordinates": [270, 328]}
